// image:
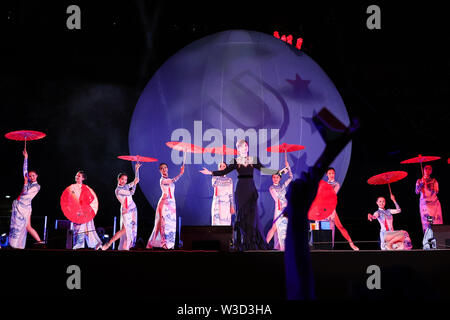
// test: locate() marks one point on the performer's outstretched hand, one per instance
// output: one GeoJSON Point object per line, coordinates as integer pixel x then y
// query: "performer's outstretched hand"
{"type": "Point", "coordinates": [182, 169]}
{"type": "Point", "coordinates": [205, 171]}
{"type": "Point", "coordinates": [137, 166]}
{"type": "Point", "coordinates": [25, 154]}
{"type": "Point", "coordinates": [370, 217]}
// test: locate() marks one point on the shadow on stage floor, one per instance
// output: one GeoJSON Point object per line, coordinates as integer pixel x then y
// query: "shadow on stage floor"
{"type": "Point", "coordinates": [214, 275]}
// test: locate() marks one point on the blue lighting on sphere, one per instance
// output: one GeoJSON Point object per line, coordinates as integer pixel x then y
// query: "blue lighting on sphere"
{"type": "Point", "coordinates": [227, 81]}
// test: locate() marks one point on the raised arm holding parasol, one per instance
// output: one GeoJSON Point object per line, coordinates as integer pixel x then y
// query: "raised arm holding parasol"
{"type": "Point", "coordinates": [280, 221]}
{"type": "Point", "coordinates": [164, 230]}
{"type": "Point", "coordinates": [128, 217]}
{"type": "Point", "coordinates": [21, 207]}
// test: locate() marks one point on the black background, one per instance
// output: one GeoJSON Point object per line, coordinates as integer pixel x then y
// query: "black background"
{"type": "Point", "coordinates": [80, 87]}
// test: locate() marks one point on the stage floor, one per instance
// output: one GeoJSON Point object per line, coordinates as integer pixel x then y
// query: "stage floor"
{"type": "Point", "coordinates": [214, 275]}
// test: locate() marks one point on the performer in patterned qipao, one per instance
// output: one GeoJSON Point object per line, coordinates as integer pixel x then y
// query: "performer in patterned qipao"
{"type": "Point", "coordinates": [280, 221]}
{"type": "Point", "coordinates": [429, 203]}
{"type": "Point", "coordinates": [84, 232]}
{"type": "Point", "coordinates": [385, 218]}
{"type": "Point", "coordinates": [222, 205]}
{"type": "Point", "coordinates": [164, 231]}
{"type": "Point", "coordinates": [128, 218]}
{"type": "Point", "coordinates": [21, 209]}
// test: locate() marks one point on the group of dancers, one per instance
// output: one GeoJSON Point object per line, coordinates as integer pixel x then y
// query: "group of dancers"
{"type": "Point", "coordinates": [243, 203]}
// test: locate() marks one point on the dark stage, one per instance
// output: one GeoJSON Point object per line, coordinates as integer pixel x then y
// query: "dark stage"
{"type": "Point", "coordinates": [222, 276]}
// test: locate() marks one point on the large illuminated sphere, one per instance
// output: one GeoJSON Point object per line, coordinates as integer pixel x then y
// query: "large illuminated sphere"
{"type": "Point", "coordinates": [232, 80]}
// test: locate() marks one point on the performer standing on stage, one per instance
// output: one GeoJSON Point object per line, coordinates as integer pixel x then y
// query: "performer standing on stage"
{"type": "Point", "coordinates": [429, 203]}
{"type": "Point", "coordinates": [334, 218]}
{"type": "Point", "coordinates": [85, 231]}
{"type": "Point", "coordinates": [21, 209]}
{"type": "Point", "coordinates": [166, 212]}
{"type": "Point", "coordinates": [128, 218]}
{"type": "Point", "coordinates": [246, 227]}
{"type": "Point", "coordinates": [384, 217]}
{"type": "Point", "coordinates": [223, 204]}
{"type": "Point", "coordinates": [280, 221]}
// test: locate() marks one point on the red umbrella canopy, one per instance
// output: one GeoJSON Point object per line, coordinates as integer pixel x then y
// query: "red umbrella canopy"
{"type": "Point", "coordinates": [387, 177]}
{"type": "Point", "coordinates": [325, 202]}
{"type": "Point", "coordinates": [420, 159]}
{"type": "Point", "coordinates": [137, 158]}
{"type": "Point", "coordinates": [221, 150]}
{"type": "Point", "coordinates": [25, 135]}
{"type": "Point", "coordinates": [184, 146]}
{"type": "Point", "coordinates": [285, 147]}
{"type": "Point", "coordinates": [79, 208]}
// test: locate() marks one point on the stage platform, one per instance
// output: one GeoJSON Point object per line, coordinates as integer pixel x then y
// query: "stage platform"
{"type": "Point", "coordinates": [215, 275]}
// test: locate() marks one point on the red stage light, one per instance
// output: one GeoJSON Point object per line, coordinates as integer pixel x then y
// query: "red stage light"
{"type": "Point", "coordinates": [299, 43]}
{"type": "Point", "coordinates": [289, 39]}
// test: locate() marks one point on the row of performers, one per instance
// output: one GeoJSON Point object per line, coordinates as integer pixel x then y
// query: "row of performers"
{"type": "Point", "coordinates": [246, 226]}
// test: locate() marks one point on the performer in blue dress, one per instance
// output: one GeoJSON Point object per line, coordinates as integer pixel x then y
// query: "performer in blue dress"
{"type": "Point", "coordinates": [128, 218]}
{"type": "Point", "coordinates": [385, 218]}
{"type": "Point", "coordinates": [280, 221]}
{"type": "Point", "coordinates": [246, 227]}
{"type": "Point", "coordinates": [164, 230]}
{"type": "Point", "coordinates": [21, 209]}
{"type": "Point", "coordinates": [223, 204]}
{"type": "Point", "coordinates": [84, 233]}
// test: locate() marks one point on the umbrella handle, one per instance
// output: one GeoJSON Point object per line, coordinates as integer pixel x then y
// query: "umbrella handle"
{"type": "Point", "coordinates": [285, 155]}
{"type": "Point", "coordinates": [390, 191]}
{"type": "Point", "coordinates": [184, 157]}
{"type": "Point", "coordinates": [421, 168]}
{"type": "Point", "coordinates": [25, 143]}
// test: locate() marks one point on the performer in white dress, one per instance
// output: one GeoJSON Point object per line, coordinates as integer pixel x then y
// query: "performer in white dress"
{"type": "Point", "coordinates": [84, 232]}
{"type": "Point", "coordinates": [128, 218]}
{"type": "Point", "coordinates": [429, 203]}
{"type": "Point", "coordinates": [21, 209]}
{"type": "Point", "coordinates": [280, 222]}
{"type": "Point", "coordinates": [223, 204]}
{"type": "Point", "coordinates": [385, 218]}
{"type": "Point", "coordinates": [164, 231]}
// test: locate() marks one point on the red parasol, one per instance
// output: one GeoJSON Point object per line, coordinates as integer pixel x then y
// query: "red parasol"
{"type": "Point", "coordinates": [25, 135]}
{"type": "Point", "coordinates": [223, 150]}
{"type": "Point", "coordinates": [137, 158]}
{"type": "Point", "coordinates": [185, 147]}
{"type": "Point", "coordinates": [325, 202]}
{"type": "Point", "coordinates": [79, 208]}
{"type": "Point", "coordinates": [387, 178]}
{"type": "Point", "coordinates": [285, 147]}
{"type": "Point", "coordinates": [420, 159]}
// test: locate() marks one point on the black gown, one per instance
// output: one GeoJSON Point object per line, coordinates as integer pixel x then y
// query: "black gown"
{"type": "Point", "coordinates": [246, 227]}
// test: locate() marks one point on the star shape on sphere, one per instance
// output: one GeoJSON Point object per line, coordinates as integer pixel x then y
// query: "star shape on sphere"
{"type": "Point", "coordinates": [311, 122]}
{"type": "Point", "coordinates": [300, 86]}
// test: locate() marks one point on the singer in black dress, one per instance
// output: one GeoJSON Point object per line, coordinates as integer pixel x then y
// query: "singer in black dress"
{"type": "Point", "coordinates": [247, 232]}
